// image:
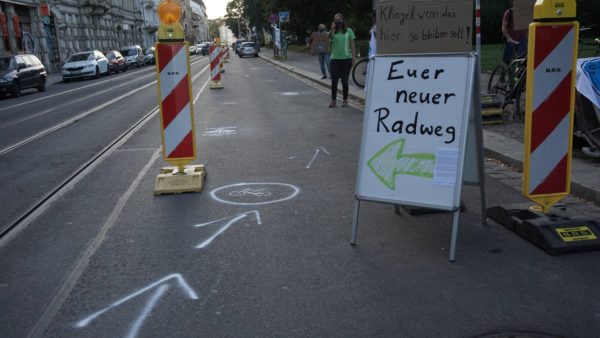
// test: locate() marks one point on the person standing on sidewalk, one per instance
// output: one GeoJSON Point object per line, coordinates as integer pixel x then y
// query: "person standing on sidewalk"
{"type": "Point", "coordinates": [343, 57]}
{"type": "Point", "coordinates": [319, 43]}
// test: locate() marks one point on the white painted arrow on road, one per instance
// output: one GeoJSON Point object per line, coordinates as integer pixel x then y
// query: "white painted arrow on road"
{"type": "Point", "coordinates": [162, 285]}
{"type": "Point", "coordinates": [317, 151]}
{"type": "Point", "coordinates": [231, 221]}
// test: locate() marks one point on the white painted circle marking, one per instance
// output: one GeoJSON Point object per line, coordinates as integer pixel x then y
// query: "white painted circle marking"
{"type": "Point", "coordinates": [295, 191]}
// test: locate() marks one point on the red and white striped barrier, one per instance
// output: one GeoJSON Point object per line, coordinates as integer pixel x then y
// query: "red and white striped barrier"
{"type": "Point", "coordinates": [176, 110]}
{"type": "Point", "coordinates": [478, 27]}
{"type": "Point", "coordinates": [225, 54]}
{"type": "Point", "coordinates": [215, 67]}
{"type": "Point", "coordinates": [222, 58]}
{"type": "Point", "coordinates": [549, 111]}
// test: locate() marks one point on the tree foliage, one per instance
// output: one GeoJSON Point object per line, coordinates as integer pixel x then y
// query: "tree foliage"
{"type": "Point", "coordinates": [305, 15]}
{"type": "Point", "coordinates": [234, 19]}
{"type": "Point", "coordinates": [588, 13]}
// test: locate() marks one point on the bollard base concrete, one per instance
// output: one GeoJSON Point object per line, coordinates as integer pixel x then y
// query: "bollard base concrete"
{"type": "Point", "coordinates": [216, 85]}
{"type": "Point", "coordinates": [557, 232]}
{"type": "Point", "coordinates": [171, 181]}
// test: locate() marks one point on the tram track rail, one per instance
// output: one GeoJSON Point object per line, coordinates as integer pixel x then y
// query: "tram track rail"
{"type": "Point", "coordinates": [33, 211]}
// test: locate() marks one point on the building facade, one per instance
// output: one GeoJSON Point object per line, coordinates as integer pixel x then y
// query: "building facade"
{"type": "Point", "coordinates": [54, 29]}
{"type": "Point", "coordinates": [199, 20]}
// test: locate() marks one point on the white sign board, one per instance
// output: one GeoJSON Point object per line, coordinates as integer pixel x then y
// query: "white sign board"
{"type": "Point", "coordinates": [415, 129]}
{"type": "Point", "coordinates": [277, 37]}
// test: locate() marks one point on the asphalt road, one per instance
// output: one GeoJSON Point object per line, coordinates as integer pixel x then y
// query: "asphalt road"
{"type": "Point", "coordinates": [263, 250]}
{"type": "Point", "coordinates": [28, 142]}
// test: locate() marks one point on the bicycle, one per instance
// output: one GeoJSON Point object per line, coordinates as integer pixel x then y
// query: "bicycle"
{"type": "Point", "coordinates": [508, 82]}
{"type": "Point", "coordinates": [359, 72]}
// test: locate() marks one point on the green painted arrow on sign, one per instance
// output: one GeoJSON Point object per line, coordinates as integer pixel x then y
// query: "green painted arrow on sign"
{"type": "Point", "coordinates": [389, 162]}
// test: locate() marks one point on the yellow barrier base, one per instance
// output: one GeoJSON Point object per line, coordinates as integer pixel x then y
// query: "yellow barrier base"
{"type": "Point", "coordinates": [215, 85]}
{"type": "Point", "coordinates": [492, 115]}
{"type": "Point", "coordinates": [170, 181]}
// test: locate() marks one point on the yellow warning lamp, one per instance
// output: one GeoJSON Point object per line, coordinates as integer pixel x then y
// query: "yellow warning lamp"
{"type": "Point", "coordinates": [555, 9]}
{"type": "Point", "coordinates": [169, 13]}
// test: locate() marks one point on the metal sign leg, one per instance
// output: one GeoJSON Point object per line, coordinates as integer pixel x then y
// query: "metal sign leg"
{"type": "Point", "coordinates": [454, 235]}
{"type": "Point", "coordinates": [479, 133]}
{"type": "Point", "coordinates": [355, 222]}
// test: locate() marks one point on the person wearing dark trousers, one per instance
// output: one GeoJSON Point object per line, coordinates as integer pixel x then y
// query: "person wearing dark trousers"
{"type": "Point", "coordinates": [343, 57]}
{"type": "Point", "coordinates": [319, 43]}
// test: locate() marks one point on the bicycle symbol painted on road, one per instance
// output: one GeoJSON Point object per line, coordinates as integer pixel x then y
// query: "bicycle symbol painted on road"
{"type": "Point", "coordinates": [250, 191]}
{"type": "Point", "coordinates": [254, 193]}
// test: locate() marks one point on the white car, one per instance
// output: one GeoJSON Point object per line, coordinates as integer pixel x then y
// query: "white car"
{"type": "Point", "coordinates": [85, 64]}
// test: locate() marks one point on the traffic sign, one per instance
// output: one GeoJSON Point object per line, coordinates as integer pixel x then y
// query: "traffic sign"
{"type": "Point", "coordinates": [273, 18]}
{"type": "Point", "coordinates": [176, 111]}
{"type": "Point", "coordinates": [215, 71]}
{"type": "Point", "coordinates": [176, 106]}
{"type": "Point", "coordinates": [549, 111]}
{"type": "Point", "coordinates": [284, 17]}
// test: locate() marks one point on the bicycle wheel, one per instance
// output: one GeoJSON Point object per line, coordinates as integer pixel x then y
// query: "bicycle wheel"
{"type": "Point", "coordinates": [359, 72]}
{"type": "Point", "coordinates": [497, 80]}
{"type": "Point", "coordinates": [520, 98]}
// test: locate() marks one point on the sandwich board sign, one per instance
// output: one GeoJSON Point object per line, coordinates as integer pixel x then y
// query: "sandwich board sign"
{"type": "Point", "coordinates": [419, 115]}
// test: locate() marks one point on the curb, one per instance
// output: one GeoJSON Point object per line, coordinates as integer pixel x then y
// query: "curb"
{"type": "Point", "coordinates": [316, 80]}
{"type": "Point", "coordinates": [577, 189]}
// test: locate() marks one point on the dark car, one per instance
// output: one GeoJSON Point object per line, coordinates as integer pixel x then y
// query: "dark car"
{"type": "Point", "coordinates": [21, 71]}
{"type": "Point", "coordinates": [237, 45]}
{"type": "Point", "coordinates": [116, 61]}
{"type": "Point", "coordinates": [203, 49]}
{"type": "Point", "coordinates": [149, 56]}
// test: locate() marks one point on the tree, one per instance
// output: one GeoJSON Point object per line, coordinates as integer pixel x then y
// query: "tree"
{"type": "Point", "coordinates": [234, 17]}
{"type": "Point", "coordinates": [213, 28]}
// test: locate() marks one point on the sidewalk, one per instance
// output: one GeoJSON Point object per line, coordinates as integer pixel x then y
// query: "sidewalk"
{"type": "Point", "coordinates": [503, 142]}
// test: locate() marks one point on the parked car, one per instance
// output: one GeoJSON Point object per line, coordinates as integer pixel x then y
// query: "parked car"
{"type": "Point", "coordinates": [202, 48]}
{"type": "Point", "coordinates": [116, 61]}
{"type": "Point", "coordinates": [134, 56]}
{"type": "Point", "coordinates": [238, 43]}
{"type": "Point", "coordinates": [149, 57]}
{"type": "Point", "coordinates": [247, 48]}
{"type": "Point", "coordinates": [21, 71]}
{"type": "Point", "coordinates": [85, 64]}
{"type": "Point", "coordinates": [192, 49]}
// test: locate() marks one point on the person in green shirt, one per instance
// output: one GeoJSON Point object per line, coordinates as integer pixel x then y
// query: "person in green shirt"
{"type": "Point", "coordinates": [343, 57]}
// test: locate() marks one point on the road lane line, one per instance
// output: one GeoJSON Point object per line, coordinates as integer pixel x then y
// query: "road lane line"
{"type": "Point", "coordinates": [81, 116]}
{"type": "Point", "coordinates": [70, 280]}
{"type": "Point", "coordinates": [41, 205]}
{"type": "Point", "coordinates": [68, 283]}
{"type": "Point", "coordinates": [65, 92]}
{"type": "Point", "coordinates": [11, 123]}
{"type": "Point", "coordinates": [70, 121]}
{"type": "Point", "coordinates": [80, 88]}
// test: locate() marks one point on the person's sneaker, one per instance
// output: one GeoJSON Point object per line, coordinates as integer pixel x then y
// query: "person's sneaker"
{"type": "Point", "coordinates": [345, 103]}
{"type": "Point", "coordinates": [323, 77]}
{"type": "Point", "coordinates": [332, 104]}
